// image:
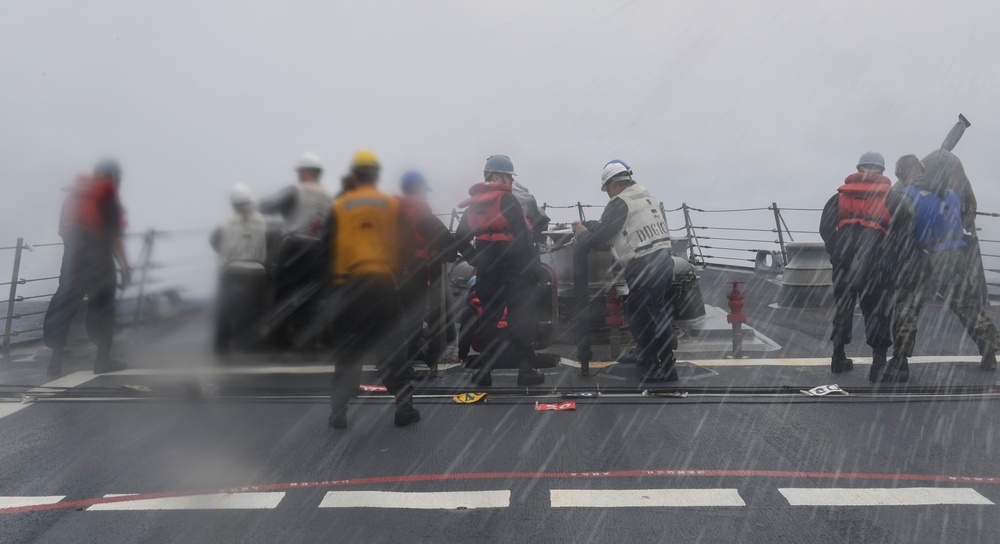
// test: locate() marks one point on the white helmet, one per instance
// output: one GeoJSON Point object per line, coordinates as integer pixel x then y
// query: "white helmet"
{"type": "Point", "coordinates": [309, 160]}
{"type": "Point", "coordinates": [240, 194]}
{"type": "Point", "coordinates": [615, 169]}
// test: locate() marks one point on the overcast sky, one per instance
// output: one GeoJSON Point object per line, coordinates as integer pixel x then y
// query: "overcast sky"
{"type": "Point", "coordinates": [715, 103]}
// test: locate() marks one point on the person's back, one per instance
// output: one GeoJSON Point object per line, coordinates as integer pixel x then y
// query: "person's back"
{"type": "Point", "coordinates": [854, 226]}
{"type": "Point", "coordinates": [91, 225]}
{"type": "Point", "coordinates": [929, 235]}
{"type": "Point", "coordinates": [367, 239]}
{"type": "Point", "coordinates": [508, 270]}
{"type": "Point", "coordinates": [241, 243]}
{"type": "Point", "coordinates": [303, 205]}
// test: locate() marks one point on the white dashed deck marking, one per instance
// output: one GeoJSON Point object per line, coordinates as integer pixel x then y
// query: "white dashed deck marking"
{"type": "Point", "coordinates": [454, 500]}
{"type": "Point", "coordinates": [904, 496]}
{"type": "Point", "coordinates": [230, 501]}
{"type": "Point", "coordinates": [17, 502]}
{"type": "Point", "coordinates": [626, 498]}
{"type": "Point", "coordinates": [68, 381]}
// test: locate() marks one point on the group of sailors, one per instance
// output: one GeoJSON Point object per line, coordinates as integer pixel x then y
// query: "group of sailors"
{"type": "Point", "coordinates": [360, 272]}
{"type": "Point", "coordinates": [894, 247]}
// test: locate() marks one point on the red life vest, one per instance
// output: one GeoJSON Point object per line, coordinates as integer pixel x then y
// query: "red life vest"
{"type": "Point", "coordinates": [415, 210]}
{"type": "Point", "coordinates": [484, 217]}
{"type": "Point", "coordinates": [861, 201]}
{"type": "Point", "coordinates": [82, 210]}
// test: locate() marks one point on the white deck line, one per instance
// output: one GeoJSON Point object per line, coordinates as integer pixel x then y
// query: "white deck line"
{"type": "Point", "coordinates": [17, 502]}
{"type": "Point", "coordinates": [68, 381]}
{"type": "Point", "coordinates": [631, 498]}
{"type": "Point", "coordinates": [904, 496]}
{"type": "Point", "coordinates": [825, 361]}
{"type": "Point", "coordinates": [453, 500]}
{"type": "Point", "coordinates": [229, 501]}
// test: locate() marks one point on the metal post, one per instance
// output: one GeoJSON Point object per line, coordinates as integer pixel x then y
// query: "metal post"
{"type": "Point", "coordinates": [781, 237]}
{"type": "Point", "coordinates": [581, 303]}
{"type": "Point", "coordinates": [146, 259]}
{"type": "Point", "coordinates": [692, 241]}
{"type": "Point", "coordinates": [443, 322]}
{"type": "Point", "coordinates": [12, 297]}
{"type": "Point", "coordinates": [451, 222]}
{"type": "Point", "coordinates": [579, 209]}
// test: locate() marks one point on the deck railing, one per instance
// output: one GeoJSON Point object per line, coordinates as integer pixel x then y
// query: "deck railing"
{"type": "Point", "coordinates": [734, 237]}
{"type": "Point", "coordinates": [139, 290]}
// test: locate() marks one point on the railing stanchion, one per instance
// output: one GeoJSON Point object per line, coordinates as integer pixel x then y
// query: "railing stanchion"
{"type": "Point", "coordinates": [781, 236]}
{"type": "Point", "coordinates": [13, 296]}
{"type": "Point", "coordinates": [146, 259]}
{"type": "Point", "coordinates": [692, 239]}
{"type": "Point", "coordinates": [579, 209]}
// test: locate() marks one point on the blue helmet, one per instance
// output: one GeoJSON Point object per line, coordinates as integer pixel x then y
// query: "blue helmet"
{"type": "Point", "coordinates": [108, 168]}
{"type": "Point", "coordinates": [414, 180]}
{"type": "Point", "coordinates": [500, 164]}
{"type": "Point", "coordinates": [872, 158]}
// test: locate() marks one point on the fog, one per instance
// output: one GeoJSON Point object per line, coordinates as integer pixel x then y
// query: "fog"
{"type": "Point", "coordinates": [712, 103]}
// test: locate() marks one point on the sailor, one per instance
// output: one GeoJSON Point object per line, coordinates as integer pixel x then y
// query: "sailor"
{"type": "Point", "coordinates": [303, 206]}
{"type": "Point", "coordinates": [91, 227]}
{"type": "Point", "coordinates": [422, 290]}
{"type": "Point", "coordinates": [633, 225]}
{"type": "Point", "coordinates": [928, 235]}
{"type": "Point", "coordinates": [854, 225]}
{"type": "Point", "coordinates": [367, 238]}
{"type": "Point", "coordinates": [241, 243]}
{"type": "Point", "coordinates": [508, 272]}
{"type": "Point", "coordinates": [501, 167]}
{"type": "Point", "coordinates": [908, 168]}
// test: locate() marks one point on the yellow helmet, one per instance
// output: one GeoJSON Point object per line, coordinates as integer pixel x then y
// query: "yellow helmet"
{"type": "Point", "coordinates": [364, 159]}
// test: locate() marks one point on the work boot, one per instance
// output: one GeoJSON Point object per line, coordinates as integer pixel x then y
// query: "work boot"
{"type": "Point", "coordinates": [107, 364]}
{"type": "Point", "coordinates": [664, 371]}
{"type": "Point", "coordinates": [878, 365]}
{"type": "Point", "coordinates": [897, 370]}
{"type": "Point", "coordinates": [482, 378]}
{"type": "Point", "coordinates": [989, 361]}
{"type": "Point", "coordinates": [338, 420]}
{"type": "Point", "coordinates": [530, 376]}
{"type": "Point", "coordinates": [55, 363]}
{"type": "Point", "coordinates": [840, 363]}
{"type": "Point", "coordinates": [405, 415]}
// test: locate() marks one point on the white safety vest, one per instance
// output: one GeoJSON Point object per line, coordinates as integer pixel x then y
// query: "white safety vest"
{"type": "Point", "coordinates": [243, 243]}
{"type": "Point", "coordinates": [312, 204]}
{"type": "Point", "coordinates": [645, 229]}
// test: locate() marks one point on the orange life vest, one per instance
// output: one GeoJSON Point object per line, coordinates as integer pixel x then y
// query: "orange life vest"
{"type": "Point", "coordinates": [861, 201]}
{"type": "Point", "coordinates": [82, 210]}
{"type": "Point", "coordinates": [485, 219]}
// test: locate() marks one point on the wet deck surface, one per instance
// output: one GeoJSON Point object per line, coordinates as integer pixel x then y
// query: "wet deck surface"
{"type": "Point", "coordinates": [743, 457]}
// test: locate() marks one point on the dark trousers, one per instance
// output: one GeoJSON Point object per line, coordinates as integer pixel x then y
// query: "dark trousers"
{"type": "Point", "coordinates": [466, 329]}
{"type": "Point", "coordinates": [86, 272]}
{"type": "Point", "coordinates": [366, 318]}
{"type": "Point", "coordinates": [422, 304]}
{"type": "Point", "coordinates": [952, 273]}
{"type": "Point", "coordinates": [859, 276]}
{"type": "Point", "coordinates": [240, 305]}
{"type": "Point", "coordinates": [501, 287]}
{"type": "Point", "coordinates": [648, 278]}
{"type": "Point", "coordinates": [300, 262]}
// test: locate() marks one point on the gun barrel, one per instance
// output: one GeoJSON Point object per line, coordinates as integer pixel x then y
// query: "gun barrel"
{"type": "Point", "coordinates": [951, 140]}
